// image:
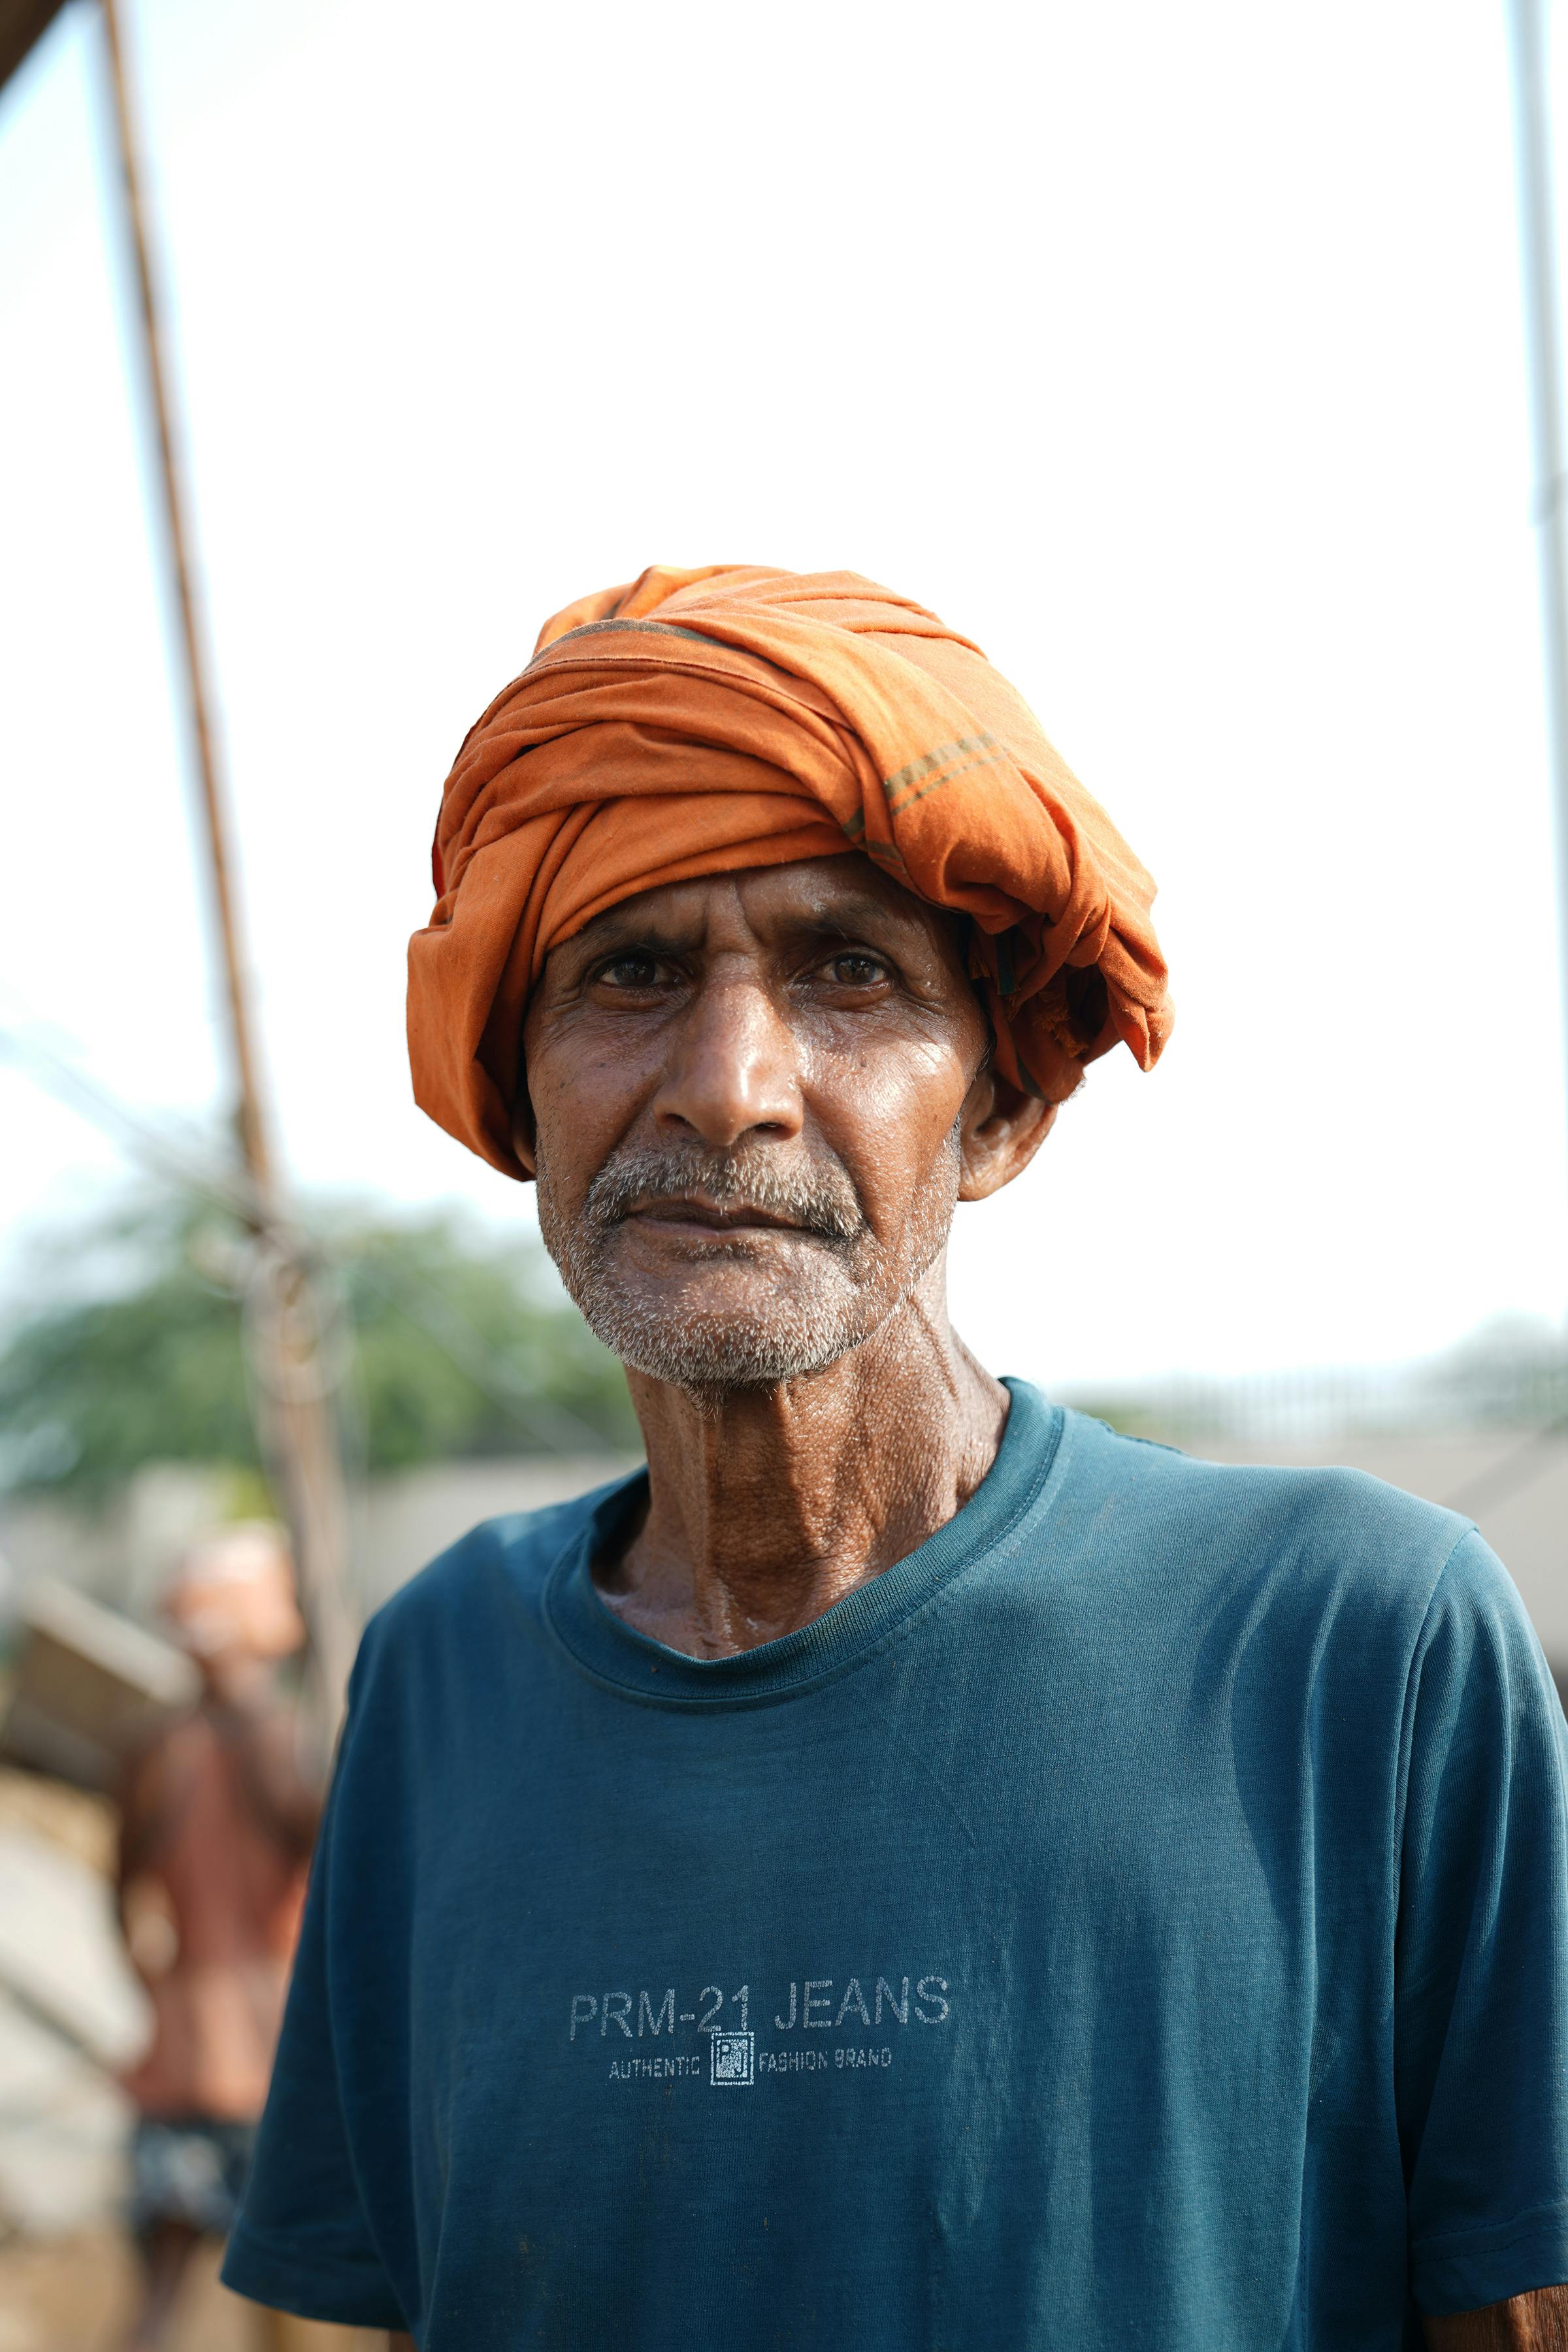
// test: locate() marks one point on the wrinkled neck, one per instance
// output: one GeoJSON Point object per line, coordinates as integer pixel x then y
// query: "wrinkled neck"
{"type": "Point", "coordinates": [768, 1506]}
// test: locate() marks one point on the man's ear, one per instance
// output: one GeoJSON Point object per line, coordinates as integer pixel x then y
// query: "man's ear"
{"type": "Point", "coordinates": [1000, 1131]}
{"type": "Point", "coordinates": [522, 1133]}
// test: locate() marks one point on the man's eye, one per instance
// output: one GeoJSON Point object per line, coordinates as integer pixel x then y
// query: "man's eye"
{"type": "Point", "coordinates": [855, 969]}
{"type": "Point", "coordinates": [636, 969]}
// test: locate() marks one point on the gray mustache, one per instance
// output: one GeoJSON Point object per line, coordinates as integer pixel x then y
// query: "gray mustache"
{"type": "Point", "coordinates": [821, 1200]}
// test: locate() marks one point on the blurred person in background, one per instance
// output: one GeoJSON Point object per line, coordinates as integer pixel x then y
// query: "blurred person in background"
{"type": "Point", "coordinates": [218, 1823]}
{"type": "Point", "coordinates": [913, 1866]}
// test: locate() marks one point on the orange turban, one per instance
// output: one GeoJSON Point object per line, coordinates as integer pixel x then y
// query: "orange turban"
{"type": "Point", "coordinates": [697, 722]}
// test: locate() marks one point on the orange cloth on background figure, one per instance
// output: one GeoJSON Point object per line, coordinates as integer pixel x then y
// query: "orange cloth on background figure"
{"type": "Point", "coordinates": [699, 722]}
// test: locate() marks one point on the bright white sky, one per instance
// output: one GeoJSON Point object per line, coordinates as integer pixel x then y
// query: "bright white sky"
{"type": "Point", "coordinates": [1174, 353]}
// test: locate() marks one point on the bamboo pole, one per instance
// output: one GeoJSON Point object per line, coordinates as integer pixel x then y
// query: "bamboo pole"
{"type": "Point", "coordinates": [254, 1139]}
{"type": "Point", "coordinates": [1542, 316]}
{"type": "Point", "coordinates": [300, 1431]}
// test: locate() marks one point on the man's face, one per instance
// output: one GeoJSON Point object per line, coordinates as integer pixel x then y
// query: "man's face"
{"type": "Point", "coordinates": [756, 1097]}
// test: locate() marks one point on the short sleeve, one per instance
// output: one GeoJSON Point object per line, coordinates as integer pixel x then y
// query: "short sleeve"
{"type": "Point", "coordinates": [303, 2242]}
{"type": "Point", "coordinates": [1481, 1958]}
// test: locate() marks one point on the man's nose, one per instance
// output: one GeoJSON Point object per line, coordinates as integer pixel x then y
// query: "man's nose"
{"type": "Point", "coordinates": [733, 1069]}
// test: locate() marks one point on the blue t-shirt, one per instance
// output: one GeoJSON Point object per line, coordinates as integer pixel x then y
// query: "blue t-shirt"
{"type": "Point", "coordinates": [1139, 1917]}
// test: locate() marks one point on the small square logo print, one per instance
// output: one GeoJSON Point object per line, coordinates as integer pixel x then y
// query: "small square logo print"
{"type": "Point", "coordinates": [731, 2057]}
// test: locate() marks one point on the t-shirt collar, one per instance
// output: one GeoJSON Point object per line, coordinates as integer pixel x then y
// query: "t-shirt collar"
{"type": "Point", "coordinates": [614, 1652]}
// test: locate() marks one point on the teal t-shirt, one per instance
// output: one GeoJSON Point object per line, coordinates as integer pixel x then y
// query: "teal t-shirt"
{"type": "Point", "coordinates": [1138, 1918]}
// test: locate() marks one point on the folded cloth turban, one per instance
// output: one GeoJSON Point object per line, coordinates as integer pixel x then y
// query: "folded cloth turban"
{"type": "Point", "coordinates": [698, 722]}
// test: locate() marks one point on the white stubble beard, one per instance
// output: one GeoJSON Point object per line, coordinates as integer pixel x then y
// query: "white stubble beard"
{"type": "Point", "coordinates": [830, 1297]}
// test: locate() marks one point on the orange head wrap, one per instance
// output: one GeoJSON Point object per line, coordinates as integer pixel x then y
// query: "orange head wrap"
{"type": "Point", "coordinates": [701, 721]}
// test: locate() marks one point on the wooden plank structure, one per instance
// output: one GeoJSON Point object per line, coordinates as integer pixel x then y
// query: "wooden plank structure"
{"type": "Point", "coordinates": [88, 1683]}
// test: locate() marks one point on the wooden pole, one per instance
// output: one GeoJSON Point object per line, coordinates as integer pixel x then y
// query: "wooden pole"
{"type": "Point", "coordinates": [253, 1129]}
{"type": "Point", "coordinates": [1544, 338]}
{"type": "Point", "coordinates": [301, 1433]}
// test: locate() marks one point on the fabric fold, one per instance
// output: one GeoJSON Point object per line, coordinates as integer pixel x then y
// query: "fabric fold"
{"type": "Point", "coordinates": [704, 721]}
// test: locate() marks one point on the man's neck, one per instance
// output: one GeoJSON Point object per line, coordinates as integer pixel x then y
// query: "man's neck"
{"type": "Point", "coordinates": [769, 1506]}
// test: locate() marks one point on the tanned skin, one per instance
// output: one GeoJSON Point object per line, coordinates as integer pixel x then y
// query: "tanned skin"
{"type": "Point", "coordinates": [1526, 2323]}
{"type": "Point", "coordinates": [819, 1013]}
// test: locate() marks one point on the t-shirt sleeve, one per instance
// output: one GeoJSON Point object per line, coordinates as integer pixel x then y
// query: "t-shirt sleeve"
{"type": "Point", "coordinates": [1481, 1956]}
{"type": "Point", "coordinates": [303, 2242]}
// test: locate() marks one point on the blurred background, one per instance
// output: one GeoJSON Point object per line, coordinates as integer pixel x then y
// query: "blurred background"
{"type": "Point", "coordinates": [1181, 357]}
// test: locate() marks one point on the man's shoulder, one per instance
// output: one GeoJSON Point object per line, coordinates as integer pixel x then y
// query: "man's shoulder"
{"type": "Point", "coordinates": [1329, 1527]}
{"type": "Point", "coordinates": [1304, 1572]}
{"type": "Point", "coordinates": [503, 1564]}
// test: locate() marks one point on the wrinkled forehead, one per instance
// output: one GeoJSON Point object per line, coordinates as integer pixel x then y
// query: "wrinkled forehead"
{"type": "Point", "coordinates": [839, 897]}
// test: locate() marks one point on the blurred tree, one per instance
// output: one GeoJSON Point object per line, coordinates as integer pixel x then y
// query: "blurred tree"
{"type": "Point", "coordinates": [128, 1348]}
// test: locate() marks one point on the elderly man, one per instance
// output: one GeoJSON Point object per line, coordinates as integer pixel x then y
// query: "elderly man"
{"type": "Point", "coordinates": [913, 1868]}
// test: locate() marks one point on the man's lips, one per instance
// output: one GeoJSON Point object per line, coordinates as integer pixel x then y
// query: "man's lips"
{"type": "Point", "coordinates": [692, 1211]}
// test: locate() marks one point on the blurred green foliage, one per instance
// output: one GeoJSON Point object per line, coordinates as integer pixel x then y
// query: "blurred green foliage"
{"type": "Point", "coordinates": [127, 1347]}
